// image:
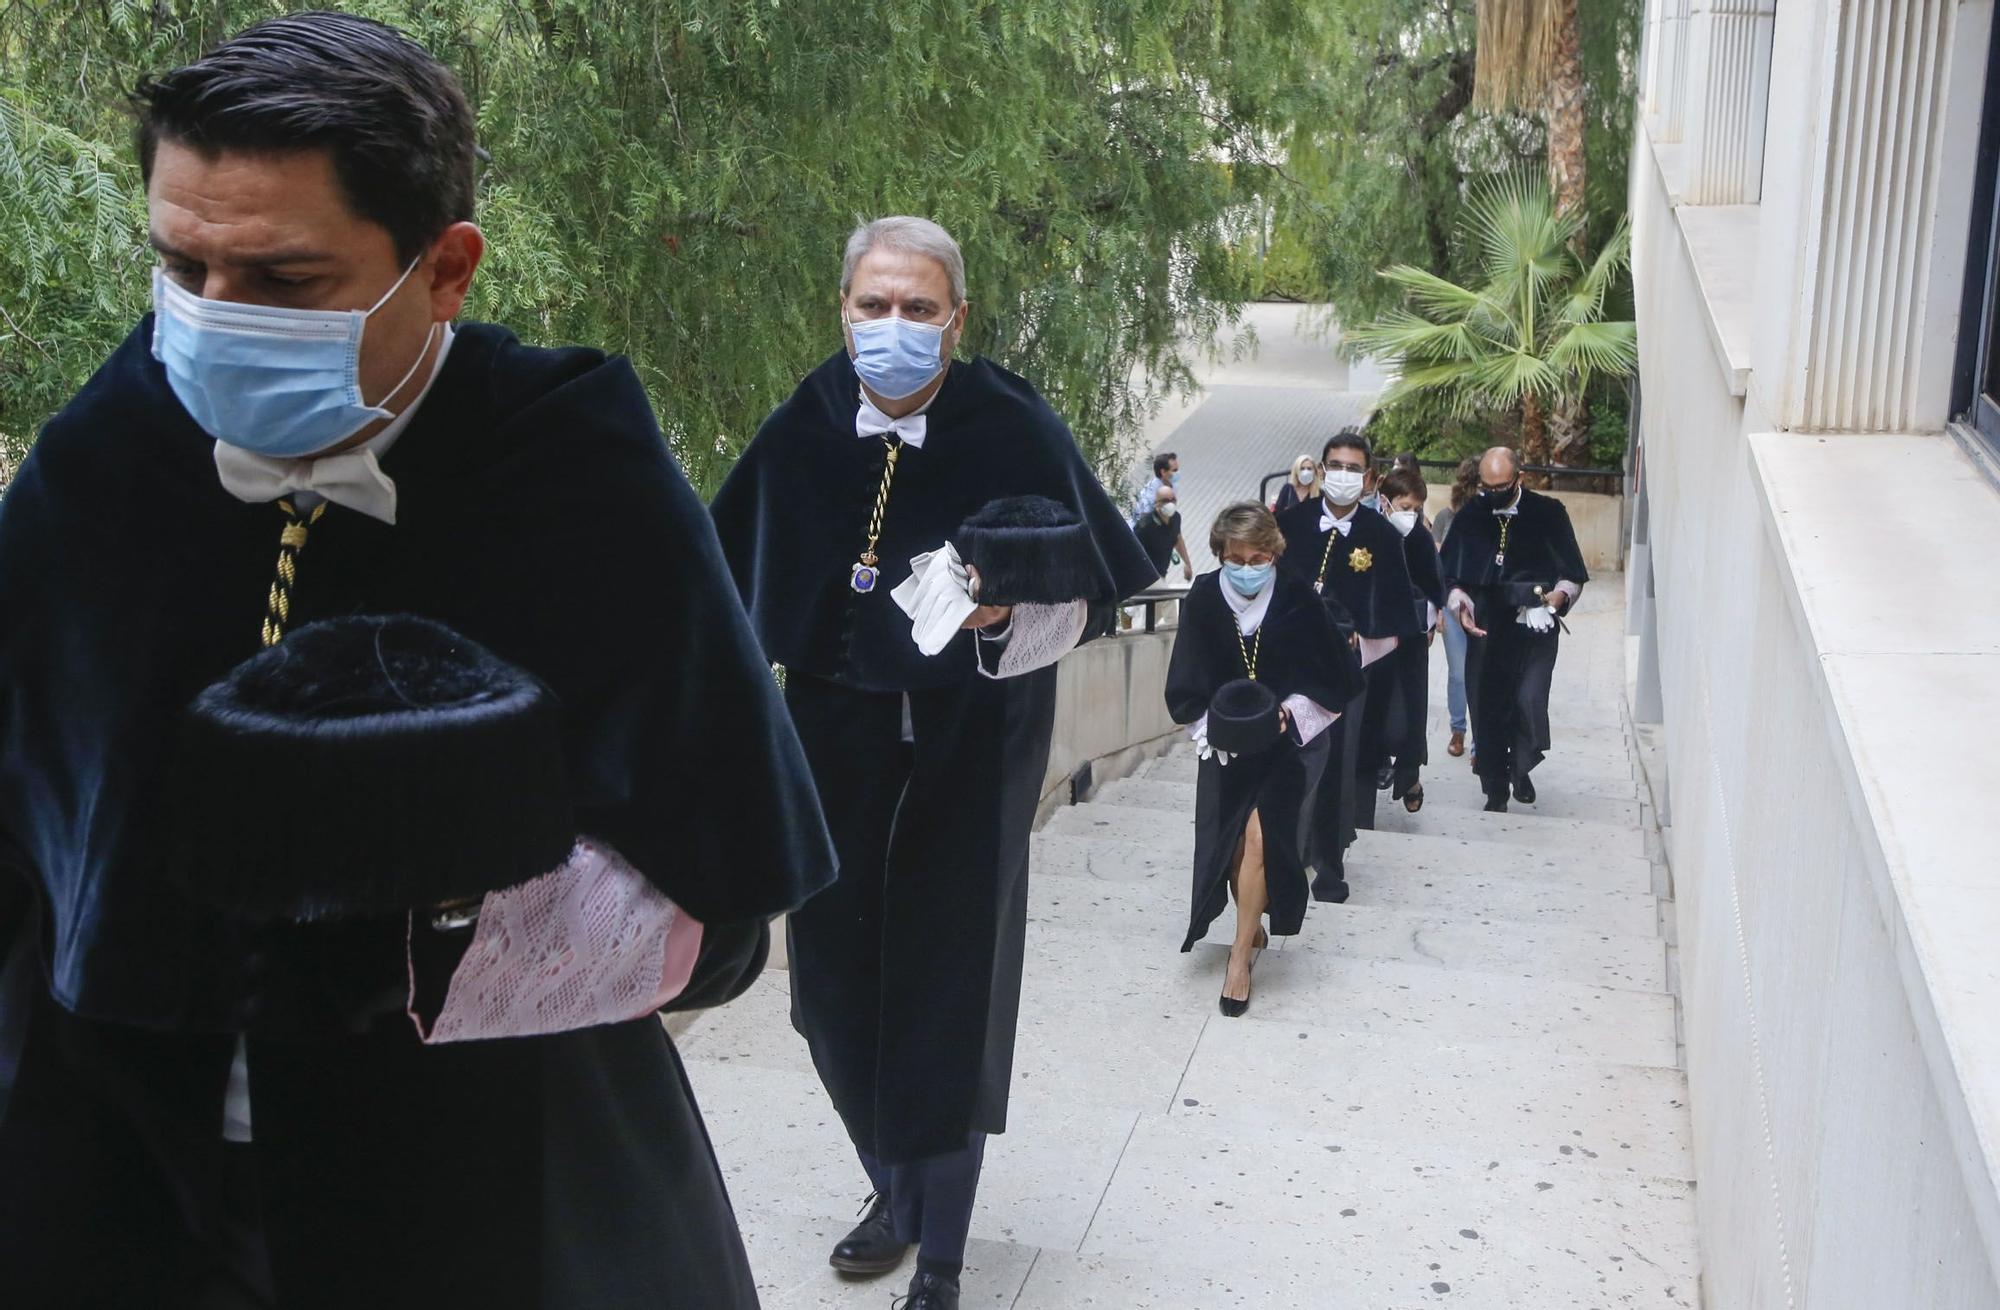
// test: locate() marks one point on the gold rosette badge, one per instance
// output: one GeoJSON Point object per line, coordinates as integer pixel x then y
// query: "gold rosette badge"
{"type": "Point", "coordinates": [1361, 560]}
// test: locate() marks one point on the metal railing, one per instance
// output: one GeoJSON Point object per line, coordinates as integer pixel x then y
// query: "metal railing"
{"type": "Point", "coordinates": [1152, 598]}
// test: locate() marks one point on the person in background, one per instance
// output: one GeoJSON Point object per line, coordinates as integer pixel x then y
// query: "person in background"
{"type": "Point", "coordinates": [1302, 485]}
{"type": "Point", "coordinates": [1248, 622]}
{"type": "Point", "coordinates": [1159, 532]}
{"type": "Point", "coordinates": [1463, 484]}
{"type": "Point", "coordinates": [1351, 556]}
{"type": "Point", "coordinates": [1409, 665]}
{"type": "Point", "coordinates": [1146, 510]}
{"type": "Point", "coordinates": [1512, 569]}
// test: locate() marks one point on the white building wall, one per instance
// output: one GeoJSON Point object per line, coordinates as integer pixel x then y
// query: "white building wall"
{"type": "Point", "coordinates": [1839, 1015]}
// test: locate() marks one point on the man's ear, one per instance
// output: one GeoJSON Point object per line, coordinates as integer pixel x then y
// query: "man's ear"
{"type": "Point", "coordinates": [455, 257]}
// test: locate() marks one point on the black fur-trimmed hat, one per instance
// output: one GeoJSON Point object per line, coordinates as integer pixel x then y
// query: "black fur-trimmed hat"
{"type": "Point", "coordinates": [1243, 717]}
{"type": "Point", "coordinates": [368, 766]}
{"type": "Point", "coordinates": [1030, 550]}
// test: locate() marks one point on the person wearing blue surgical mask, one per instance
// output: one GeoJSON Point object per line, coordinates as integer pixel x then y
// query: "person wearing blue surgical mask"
{"type": "Point", "coordinates": [304, 430]}
{"type": "Point", "coordinates": [902, 325]}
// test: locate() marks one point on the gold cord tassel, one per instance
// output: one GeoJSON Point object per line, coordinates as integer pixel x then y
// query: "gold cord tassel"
{"type": "Point", "coordinates": [292, 540]}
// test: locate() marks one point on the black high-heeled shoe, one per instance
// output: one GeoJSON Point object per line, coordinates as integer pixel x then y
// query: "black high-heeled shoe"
{"type": "Point", "coordinates": [1234, 1009]}
{"type": "Point", "coordinates": [1413, 799]}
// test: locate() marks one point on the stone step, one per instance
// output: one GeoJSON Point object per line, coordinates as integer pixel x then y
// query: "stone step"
{"type": "Point", "coordinates": [1404, 1087]}
{"type": "Point", "coordinates": [1611, 778]}
{"type": "Point", "coordinates": [1447, 941]}
{"type": "Point", "coordinates": [1063, 885]}
{"type": "Point", "coordinates": [1389, 856]}
{"type": "Point", "coordinates": [1546, 835]}
{"type": "Point", "coordinates": [1395, 1225]}
{"type": "Point", "coordinates": [1447, 788]}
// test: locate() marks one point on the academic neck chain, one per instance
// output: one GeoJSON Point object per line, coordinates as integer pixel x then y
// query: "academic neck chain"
{"type": "Point", "coordinates": [866, 572]}
{"type": "Point", "coordinates": [292, 540]}
{"type": "Point", "coordinates": [1250, 650]}
{"type": "Point", "coordinates": [1325, 562]}
{"type": "Point", "coordinates": [1506, 522]}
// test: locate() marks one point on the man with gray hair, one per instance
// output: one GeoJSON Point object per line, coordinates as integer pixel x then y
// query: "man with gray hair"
{"type": "Point", "coordinates": [918, 540]}
{"type": "Point", "coordinates": [1512, 569]}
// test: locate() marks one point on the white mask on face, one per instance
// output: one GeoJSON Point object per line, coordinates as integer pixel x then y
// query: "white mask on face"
{"type": "Point", "coordinates": [1169, 509]}
{"type": "Point", "coordinates": [1343, 487]}
{"type": "Point", "coordinates": [1306, 477]}
{"type": "Point", "coordinates": [1404, 519]}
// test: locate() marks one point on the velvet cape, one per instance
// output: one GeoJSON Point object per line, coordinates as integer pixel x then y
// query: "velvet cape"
{"type": "Point", "coordinates": [540, 514]}
{"type": "Point", "coordinates": [1373, 588]}
{"type": "Point", "coordinates": [1541, 549]}
{"type": "Point", "coordinates": [793, 517]}
{"type": "Point", "coordinates": [1298, 651]}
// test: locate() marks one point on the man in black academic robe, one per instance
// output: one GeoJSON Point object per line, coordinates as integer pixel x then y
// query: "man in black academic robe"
{"type": "Point", "coordinates": [1354, 558]}
{"type": "Point", "coordinates": [524, 498]}
{"type": "Point", "coordinates": [1512, 567]}
{"type": "Point", "coordinates": [906, 974]}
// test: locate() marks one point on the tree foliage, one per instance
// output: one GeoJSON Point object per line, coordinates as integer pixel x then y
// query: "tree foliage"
{"type": "Point", "coordinates": [673, 179]}
{"type": "Point", "coordinates": [1530, 332]}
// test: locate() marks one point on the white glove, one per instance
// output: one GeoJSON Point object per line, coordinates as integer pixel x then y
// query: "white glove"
{"type": "Point", "coordinates": [1539, 618]}
{"type": "Point", "coordinates": [937, 596]}
{"type": "Point", "coordinates": [1202, 749]}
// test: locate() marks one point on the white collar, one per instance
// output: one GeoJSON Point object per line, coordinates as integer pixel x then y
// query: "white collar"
{"type": "Point", "coordinates": [353, 478]}
{"type": "Point", "coordinates": [1249, 610]}
{"type": "Point", "coordinates": [911, 428]}
{"type": "Point", "coordinates": [1328, 523]}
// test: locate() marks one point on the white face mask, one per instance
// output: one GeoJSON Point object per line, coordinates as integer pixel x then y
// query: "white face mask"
{"type": "Point", "coordinates": [1169, 509]}
{"type": "Point", "coordinates": [1404, 519]}
{"type": "Point", "coordinates": [1306, 477]}
{"type": "Point", "coordinates": [1343, 487]}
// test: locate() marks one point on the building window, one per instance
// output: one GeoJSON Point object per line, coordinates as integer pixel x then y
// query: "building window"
{"type": "Point", "coordinates": [1976, 382]}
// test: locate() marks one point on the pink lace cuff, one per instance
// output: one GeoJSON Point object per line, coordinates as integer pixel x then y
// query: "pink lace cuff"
{"type": "Point", "coordinates": [592, 942]}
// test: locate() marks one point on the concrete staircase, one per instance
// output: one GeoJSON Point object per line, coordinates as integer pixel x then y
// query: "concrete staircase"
{"type": "Point", "coordinates": [1460, 1088]}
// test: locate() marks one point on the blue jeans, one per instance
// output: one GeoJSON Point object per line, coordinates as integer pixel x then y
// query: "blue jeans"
{"type": "Point", "coordinates": [1454, 658]}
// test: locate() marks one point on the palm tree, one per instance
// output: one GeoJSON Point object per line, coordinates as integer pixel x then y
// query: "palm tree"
{"type": "Point", "coordinates": [1531, 337]}
{"type": "Point", "coordinates": [1531, 55]}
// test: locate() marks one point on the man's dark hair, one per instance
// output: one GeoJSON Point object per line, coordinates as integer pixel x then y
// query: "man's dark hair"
{"type": "Point", "coordinates": [1404, 482]}
{"type": "Point", "coordinates": [1163, 461]}
{"type": "Point", "coordinates": [393, 119]}
{"type": "Point", "coordinates": [1349, 439]}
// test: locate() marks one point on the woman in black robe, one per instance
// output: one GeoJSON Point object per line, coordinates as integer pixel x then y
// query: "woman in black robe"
{"type": "Point", "coordinates": [1248, 619]}
{"type": "Point", "coordinates": [1404, 492]}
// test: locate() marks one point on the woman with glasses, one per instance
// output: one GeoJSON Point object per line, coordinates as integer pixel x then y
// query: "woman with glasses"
{"type": "Point", "coordinates": [1252, 635]}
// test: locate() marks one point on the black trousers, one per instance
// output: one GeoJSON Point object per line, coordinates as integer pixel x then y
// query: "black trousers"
{"type": "Point", "coordinates": [1508, 675]}
{"type": "Point", "coordinates": [931, 1199]}
{"type": "Point", "coordinates": [1409, 676]}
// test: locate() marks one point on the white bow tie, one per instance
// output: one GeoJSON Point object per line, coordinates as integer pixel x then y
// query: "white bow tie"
{"type": "Point", "coordinates": [872, 422]}
{"type": "Point", "coordinates": [1328, 521]}
{"type": "Point", "coordinates": [353, 479]}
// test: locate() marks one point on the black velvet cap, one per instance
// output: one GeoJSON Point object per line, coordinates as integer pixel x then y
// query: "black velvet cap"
{"type": "Point", "coordinates": [1243, 717]}
{"type": "Point", "coordinates": [1029, 550]}
{"type": "Point", "coordinates": [368, 766]}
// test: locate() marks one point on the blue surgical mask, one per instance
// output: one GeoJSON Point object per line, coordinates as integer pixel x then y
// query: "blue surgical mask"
{"type": "Point", "coordinates": [897, 357]}
{"type": "Point", "coordinates": [1248, 579]}
{"type": "Point", "coordinates": [279, 382]}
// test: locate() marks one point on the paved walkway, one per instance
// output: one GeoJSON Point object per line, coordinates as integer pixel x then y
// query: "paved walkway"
{"type": "Point", "coordinates": [1458, 1089]}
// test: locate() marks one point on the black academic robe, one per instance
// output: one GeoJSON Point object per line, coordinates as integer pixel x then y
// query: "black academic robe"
{"type": "Point", "coordinates": [1299, 651]}
{"type": "Point", "coordinates": [1368, 571]}
{"type": "Point", "coordinates": [1408, 709]}
{"type": "Point", "coordinates": [906, 973]}
{"type": "Point", "coordinates": [1509, 670]}
{"type": "Point", "coordinates": [541, 515]}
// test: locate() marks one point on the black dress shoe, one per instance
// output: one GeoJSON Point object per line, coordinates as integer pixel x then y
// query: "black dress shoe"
{"type": "Point", "coordinates": [871, 1249]}
{"type": "Point", "coordinates": [1497, 803]}
{"type": "Point", "coordinates": [930, 1291]}
{"type": "Point", "coordinates": [1524, 790]}
{"type": "Point", "coordinates": [1384, 779]}
{"type": "Point", "coordinates": [1332, 890]}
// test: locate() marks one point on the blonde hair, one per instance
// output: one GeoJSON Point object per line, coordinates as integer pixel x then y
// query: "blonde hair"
{"type": "Point", "coordinates": [1250, 523]}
